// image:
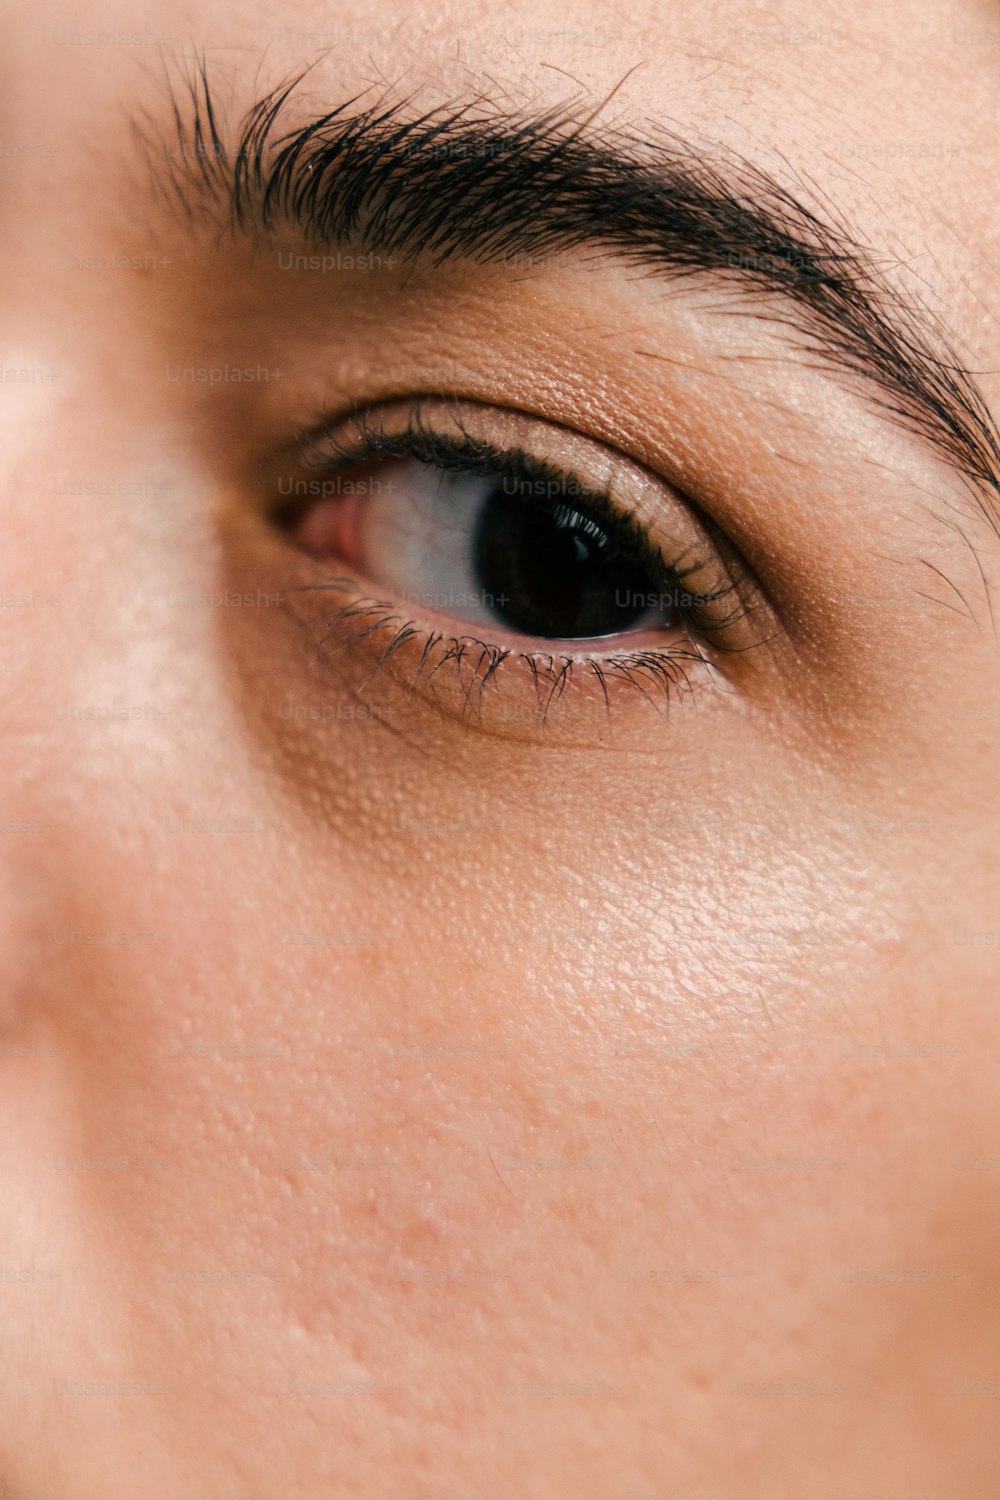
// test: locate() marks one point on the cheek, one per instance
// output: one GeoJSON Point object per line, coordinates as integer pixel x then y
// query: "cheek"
{"type": "Point", "coordinates": [433, 1107]}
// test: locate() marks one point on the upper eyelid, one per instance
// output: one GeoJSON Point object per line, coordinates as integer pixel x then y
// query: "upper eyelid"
{"type": "Point", "coordinates": [361, 417]}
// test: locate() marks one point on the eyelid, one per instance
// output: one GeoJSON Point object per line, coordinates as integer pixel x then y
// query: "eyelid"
{"type": "Point", "coordinates": [486, 685]}
{"type": "Point", "coordinates": [362, 633]}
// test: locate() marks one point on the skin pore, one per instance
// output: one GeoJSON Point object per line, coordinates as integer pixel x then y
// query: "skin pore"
{"type": "Point", "coordinates": [420, 1087]}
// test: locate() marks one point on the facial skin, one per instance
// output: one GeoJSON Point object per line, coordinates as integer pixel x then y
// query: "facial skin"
{"type": "Point", "coordinates": [403, 1102]}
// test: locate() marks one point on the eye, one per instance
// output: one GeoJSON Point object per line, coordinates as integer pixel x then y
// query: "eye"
{"type": "Point", "coordinates": [518, 547]}
{"type": "Point", "coordinates": [496, 537]}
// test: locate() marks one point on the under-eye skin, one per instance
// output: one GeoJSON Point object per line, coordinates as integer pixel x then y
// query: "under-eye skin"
{"type": "Point", "coordinates": [515, 557]}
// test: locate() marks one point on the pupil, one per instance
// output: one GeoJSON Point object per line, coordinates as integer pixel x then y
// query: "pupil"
{"type": "Point", "coordinates": [552, 571]}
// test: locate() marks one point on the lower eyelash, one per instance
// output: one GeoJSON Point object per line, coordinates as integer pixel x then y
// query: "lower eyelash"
{"type": "Point", "coordinates": [658, 674]}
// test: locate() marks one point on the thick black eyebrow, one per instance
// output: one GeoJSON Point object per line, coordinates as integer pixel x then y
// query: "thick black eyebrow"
{"type": "Point", "coordinates": [475, 181]}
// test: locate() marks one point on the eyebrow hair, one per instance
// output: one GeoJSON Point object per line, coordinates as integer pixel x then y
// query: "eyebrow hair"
{"type": "Point", "coordinates": [478, 182]}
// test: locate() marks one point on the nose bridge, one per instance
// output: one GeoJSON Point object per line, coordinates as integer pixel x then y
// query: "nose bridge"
{"type": "Point", "coordinates": [83, 685]}
{"type": "Point", "coordinates": [55, 328]}
{"type": "Point", "coordinates": [76, 451]}
{"type": "Point", "coordinates": [65, 458]}
{"type": "Point", "coordinates": [88, 712]}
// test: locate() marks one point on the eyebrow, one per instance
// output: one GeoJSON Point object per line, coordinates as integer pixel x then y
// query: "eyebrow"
{"type": "Point", "coordinates": [478, 182]}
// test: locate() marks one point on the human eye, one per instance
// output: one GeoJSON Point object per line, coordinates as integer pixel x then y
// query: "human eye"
{"type": "Point", "coordinates": [513, 555]}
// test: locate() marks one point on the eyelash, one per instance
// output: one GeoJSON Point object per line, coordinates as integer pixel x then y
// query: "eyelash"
{"type": "Point", "coordinates": [659, 674]}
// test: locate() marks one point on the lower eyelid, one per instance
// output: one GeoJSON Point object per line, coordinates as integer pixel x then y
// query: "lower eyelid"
{"type": "Point", "coordinates": [404, 665]}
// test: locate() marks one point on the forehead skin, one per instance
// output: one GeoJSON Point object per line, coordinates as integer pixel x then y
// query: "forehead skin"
{"type": "Point", "coordinates": [578, 1170]}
